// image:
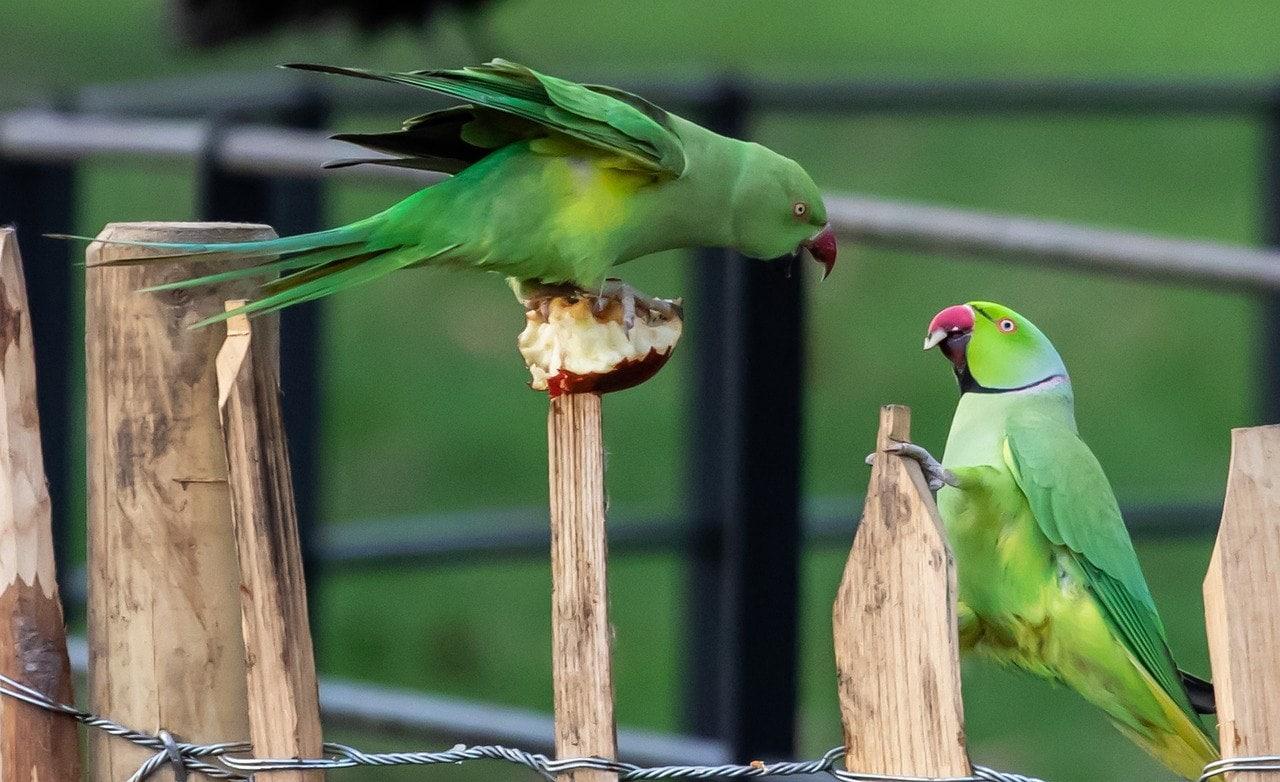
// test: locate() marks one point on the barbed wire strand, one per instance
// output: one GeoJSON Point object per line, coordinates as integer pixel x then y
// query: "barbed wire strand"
{"type": "Point", "coordinates": [218, 761]}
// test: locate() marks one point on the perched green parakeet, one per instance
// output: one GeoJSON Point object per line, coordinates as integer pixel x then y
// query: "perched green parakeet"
{"type": "Point", "coordinates": [1048, 579]}
{"type": "Point", "coordinates": [553, 183]}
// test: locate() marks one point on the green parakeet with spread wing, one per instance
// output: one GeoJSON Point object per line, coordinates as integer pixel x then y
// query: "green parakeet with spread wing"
{"type": "Point", "coordinates": [1047, 575]}
{"type": "Point", "coordinates": [553, 184]}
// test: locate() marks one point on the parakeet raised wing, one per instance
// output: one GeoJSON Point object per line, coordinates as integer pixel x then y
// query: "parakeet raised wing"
{"type": "Point", "coordinates": [1074, 505]}
{"type": "Point", "coordinates": [511, 102]}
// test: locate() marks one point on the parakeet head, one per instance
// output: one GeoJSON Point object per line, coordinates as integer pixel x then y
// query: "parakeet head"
{"type": "Point", "coordinates": [993, 348]}
{"type": "Point", "coordinates": [778, 210]}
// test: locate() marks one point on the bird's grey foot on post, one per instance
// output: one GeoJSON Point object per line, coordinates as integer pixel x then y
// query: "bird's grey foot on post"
{"type": "Point", "coordinates": [935, 474]}
{"type": "Point", "coordinates": [615, 289]}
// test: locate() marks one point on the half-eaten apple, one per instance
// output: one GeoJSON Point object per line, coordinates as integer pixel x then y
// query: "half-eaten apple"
{"type": "Point", "coordinates": [578, 343]}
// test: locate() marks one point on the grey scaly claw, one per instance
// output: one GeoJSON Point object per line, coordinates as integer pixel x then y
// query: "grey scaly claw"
{"type": "Point", "coordinates": [628, 310]}
{"type": "Point", "coordinates": [631, 299]}
{"type": "Point", "coordinates": [935, 474]}
{"type": "Point", "coordinates": [613, 288]}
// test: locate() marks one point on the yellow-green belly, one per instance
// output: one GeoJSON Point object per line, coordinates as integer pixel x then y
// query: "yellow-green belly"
{"type": "Point", "coordinates": [1023, 602]}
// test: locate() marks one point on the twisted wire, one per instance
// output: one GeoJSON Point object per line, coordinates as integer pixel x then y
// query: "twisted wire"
{"type": "Point", "coordinates": [1267, 763]}
{"type": "Point", "coordinates": [223, 761]}
{"type": "Point", "coordinates": [342, 756]}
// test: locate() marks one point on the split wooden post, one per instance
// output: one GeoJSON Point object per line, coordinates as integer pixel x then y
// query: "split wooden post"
{"type": "Point", "coordinates": [582, 668]}
{"type": "Point", "coordinates": [34, 744]}
{"type": "Point", "coordinates": [284, 709]}
{"type": "Point", "coordinates": [1241, 596]}
{"type": "Point", "coordinates": [165, 648]}
{"type": "Point", "coordinates": [894, 619]}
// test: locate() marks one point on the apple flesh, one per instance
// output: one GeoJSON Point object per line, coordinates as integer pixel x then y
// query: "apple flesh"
{"type": "Point", "coordinates": [573, 345]}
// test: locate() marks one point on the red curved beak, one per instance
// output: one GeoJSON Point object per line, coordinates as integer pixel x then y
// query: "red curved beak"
{"type": "Point", "coordinates": [822, 246]}
{"type": "Point", "coordinates": [954, 320]}
{"type": "Point", "coordinates": [951, 329]}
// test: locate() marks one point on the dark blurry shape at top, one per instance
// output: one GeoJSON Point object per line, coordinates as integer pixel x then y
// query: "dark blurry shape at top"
{"type": "Point", "coordinates": [215, 22]}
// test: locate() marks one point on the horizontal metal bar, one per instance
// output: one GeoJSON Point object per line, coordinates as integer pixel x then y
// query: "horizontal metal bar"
{"type": "Point", "coordinates": [937, 229]}
{"type": "Point", "coordinates": [513, 533]}
{"type": "Point", "coordinates": [442, 540]}
{"type": "Point", "coordinates": [265, 151]}
{"type": "Point", "coordinates": [388, 711]}
{"type": "Point", "coordinates": [491, 534]}
{"type": "Point", "coordinates": [262, 90]}
{"type": "Point", "coordinates": [40, 135]}
{"type": "Point", "coordinates": [268, 151]}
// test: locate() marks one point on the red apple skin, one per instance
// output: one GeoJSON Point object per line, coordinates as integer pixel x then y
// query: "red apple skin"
{"type": "Point", "coordinates": [628, 373]}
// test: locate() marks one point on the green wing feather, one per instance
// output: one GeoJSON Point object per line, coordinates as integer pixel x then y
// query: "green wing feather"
{"type": "Point", "coordinates": [437, 141]}
{"type": "Point", "coordinates": [603, 118]}
{"type": "Point", "coordinates": [506, 103]}
{"type": "Point", "coordinates": [1074, 505]}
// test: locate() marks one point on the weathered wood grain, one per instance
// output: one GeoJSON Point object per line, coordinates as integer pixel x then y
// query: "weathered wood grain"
{"type": "Point", "coordinates": [894, 620]}
{"type": "Point", "coordinates": [582, 665]}
{"type": "Point", "coordinates": [1242, 602]}
{"type": "Point", "coordinates": [164, 608]}
{"type": "Point", "coordinates": [34, 744]}
{"type": "Point", "coordinates": [284, 709]}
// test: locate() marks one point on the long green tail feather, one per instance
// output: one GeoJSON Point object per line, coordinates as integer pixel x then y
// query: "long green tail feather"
{"type": "Point", "coordinates": [315, 271]}
{"type": "Point", "coordinates": [317, 264]}
{"type": "Point", "coordinates": [331, 277]}
{"type": "Point", "coordinates": [345, 235]}
{"type": "Point", "coordinates": [297, 261]}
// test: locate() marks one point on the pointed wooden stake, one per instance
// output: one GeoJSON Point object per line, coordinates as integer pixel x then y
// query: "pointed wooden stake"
{"type": "Point", "coordinates": [34, 744]}
{"type": "Point", "coordinates": [894, 620]}
{"type": "Point", "coordinates": [284, 710]}
{"type": "Point", "coordinates": [1242, 602]}
{"type": "Point", "coordinates": [582, 669]}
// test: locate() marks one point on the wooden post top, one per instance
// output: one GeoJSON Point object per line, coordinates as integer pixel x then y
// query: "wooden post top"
{"type": "Point", "coordinates": [894, 620]}
{"type": "Point", "coordinates": [26, 543]}
{"type": "Point", "coordinates": [164, 588]}
{"type": "Point", "coordinates": [1242, 600]}
{"type": "Point", "coordinates": [180, 226]}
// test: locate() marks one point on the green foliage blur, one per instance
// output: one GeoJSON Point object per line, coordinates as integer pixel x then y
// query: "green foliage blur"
{"type": "Point", "coordinates": [425, 407]}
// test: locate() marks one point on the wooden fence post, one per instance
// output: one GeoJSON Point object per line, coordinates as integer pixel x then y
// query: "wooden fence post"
{"type": "Point", "coordinates": [582, 669]}
{"type": "Point", "coordinates": [894, 619]}
{"type": "Point", "coordinates": [165, 648]}
{"type": "Point", "coordinates": [1241, 599]}
{"type": "Point", "coordinates": [34, 744]}
{"type": "Point", "coordinates": [284, 709]}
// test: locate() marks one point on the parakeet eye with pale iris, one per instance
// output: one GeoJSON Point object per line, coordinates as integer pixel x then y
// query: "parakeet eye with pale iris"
{"type": "Point", "coordinates": [800, 210]}
{"type": "Point", "coordinates": [1007, 326]}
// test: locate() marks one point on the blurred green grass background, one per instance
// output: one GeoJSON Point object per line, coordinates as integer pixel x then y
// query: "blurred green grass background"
{"type": "Point", "coordinates": [425, 407]}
